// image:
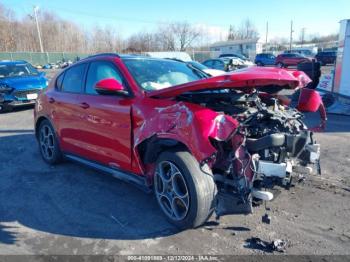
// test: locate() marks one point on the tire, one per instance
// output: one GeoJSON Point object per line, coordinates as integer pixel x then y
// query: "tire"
{"type": "Point", "coordinates": [48, 143]}
{"type": "Point", "coordinates": [179, 180]}
{"type": "Point", "coordinates": [280, 65]}
{"type": "Point", "coordinates": [4, 108]}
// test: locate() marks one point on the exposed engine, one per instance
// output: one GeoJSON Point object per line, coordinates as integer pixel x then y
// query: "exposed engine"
{"type": "Point", "coordinates": [278, 144]}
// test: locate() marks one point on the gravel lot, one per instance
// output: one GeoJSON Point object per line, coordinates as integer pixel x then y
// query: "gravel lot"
{"type": "Point", "coordinates": [70, 209]}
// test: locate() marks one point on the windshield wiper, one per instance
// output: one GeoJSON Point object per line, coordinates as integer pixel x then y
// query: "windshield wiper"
{"type": "Point", "coordinates": [197, 71]}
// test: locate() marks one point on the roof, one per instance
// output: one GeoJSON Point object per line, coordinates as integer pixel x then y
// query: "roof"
{"type": "Point", "coordinates": [177, 55]}
{"type": "Point", "coordinates": [9, 62]}
{"type": "Point", "coordinates": [235, 42]}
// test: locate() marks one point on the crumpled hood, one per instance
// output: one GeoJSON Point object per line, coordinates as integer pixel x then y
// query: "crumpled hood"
{"type": "Point", "coordinates": [243, 79]}
{"type": "Point", "coordinates": [25, 82]}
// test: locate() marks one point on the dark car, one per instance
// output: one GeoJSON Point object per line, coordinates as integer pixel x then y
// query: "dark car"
{"type": "Point", "coordinates": [225, 63]}
{"type": "Point", "coordinates": [290, 59]}
{"type": "Point", "coordinates": [325, 58]}
{"type": "Point", "coordinates": [243, 57]}
{"type": "Point", "coordinates": [219, 64]}
{"type": "Point", "coordinates": [20, 84]}
{"type": "Point", "coordinates": [265, 59]}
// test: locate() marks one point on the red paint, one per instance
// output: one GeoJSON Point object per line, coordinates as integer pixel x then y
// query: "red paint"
{"type": "Point", "coordinates": [244, 80]}
{"type": "Point", "coordinates": [109, 129]}
{"type": "Point", "coordinates": [311, 101]}
{"type": "Point", "coordinates": [291, 61]}
{"type": "Point", "coordinates": [109, 84]}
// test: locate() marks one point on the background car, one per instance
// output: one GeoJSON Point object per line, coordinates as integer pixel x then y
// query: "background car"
{"type": "Point", "coordinates": [328, 57]}
{"type": "Point", "coordinates": [225, 63]}
{"type": "Point", "coordinates": [307, 52]}
{"type": "Point", "coordinates": [290, 59]}
{"type": "Point", "coordinates": [243, 57]}
{"type": "Point", "coordinates": [20, 84]}
{"type": "Point", "coordinates": [218, 64]}
{"type": "Point", "coordinates": [265, 59]}
{"type": "Point", "coordinates": [209, 71]}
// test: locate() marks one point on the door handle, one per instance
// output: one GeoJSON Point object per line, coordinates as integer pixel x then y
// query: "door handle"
{"type": "Point", "coordinates": [51, 100]}
{"type": "Point", "coordinates": [84, 105]}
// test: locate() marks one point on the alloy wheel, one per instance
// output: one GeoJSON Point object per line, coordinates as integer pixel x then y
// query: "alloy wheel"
{"type": "Point", "coordinates": [46, 139]}
{"type": "Point", "coordinates": [171, 190]}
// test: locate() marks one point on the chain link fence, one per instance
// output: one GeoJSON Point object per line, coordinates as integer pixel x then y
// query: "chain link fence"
{"type": "Point", "coordinates": [37, 58]}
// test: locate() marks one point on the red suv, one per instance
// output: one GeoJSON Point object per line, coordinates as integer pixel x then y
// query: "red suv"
{"type": "Point", "coordinates": [290, 59]}
{"type": "Point", "coordinates": [201, 143]}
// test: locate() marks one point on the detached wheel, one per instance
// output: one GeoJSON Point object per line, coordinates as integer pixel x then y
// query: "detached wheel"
{"type": "Point", "coordinates": [184, 192]}
{"type": "Point", "coordinates": [48, 143]}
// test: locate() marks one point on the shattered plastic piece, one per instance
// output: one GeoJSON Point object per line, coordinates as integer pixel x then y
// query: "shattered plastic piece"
{"type": "Point", "coordinates": [266, 219]}
{"type": "Point", "coordinates": [278, 245]}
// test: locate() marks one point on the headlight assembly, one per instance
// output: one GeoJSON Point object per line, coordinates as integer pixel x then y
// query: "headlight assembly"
{"type": "Point", "coordinates": [4, 88]}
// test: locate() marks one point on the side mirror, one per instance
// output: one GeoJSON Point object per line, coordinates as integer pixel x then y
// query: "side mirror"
{"type": "Point", "coordinates": [110, 86]}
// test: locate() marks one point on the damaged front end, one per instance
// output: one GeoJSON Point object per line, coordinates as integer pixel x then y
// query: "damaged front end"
{"type": "Point", "coordinates": [270, 146]}
{"type": "Point", "coordinates": [256, 140]}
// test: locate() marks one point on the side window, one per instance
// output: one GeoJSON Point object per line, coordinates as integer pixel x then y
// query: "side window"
{"type": "Point", "coordinates": [74, 79]}
{"type": "Point", "coordinates": [208, 63]}
{"type": "Point", "coordinates": [218, 65]}
{"type": "Point", "coordinates": [59, 82]}
{"type": "Point", "coordinates": [100, 70]}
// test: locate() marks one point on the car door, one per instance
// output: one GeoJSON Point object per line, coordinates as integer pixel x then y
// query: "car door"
{"type": "Point", "coordinates": [290, 59]}
{"type": "Point", "coordinates": [105, 129]}
{"type": "Point", "coordinates": [64, 100]}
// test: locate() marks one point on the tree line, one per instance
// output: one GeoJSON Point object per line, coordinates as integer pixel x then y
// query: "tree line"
{"type": "Point", "coordinates": [62, 35]}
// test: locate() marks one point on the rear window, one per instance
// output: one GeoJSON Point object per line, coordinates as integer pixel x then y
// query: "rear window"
{"type": "Point", "coordinates": [74, 79]}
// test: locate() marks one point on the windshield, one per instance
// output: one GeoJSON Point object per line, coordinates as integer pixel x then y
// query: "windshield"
{"type": "Point", "coordinates": [153, 74]}
{"type": "Point", "coordinates": [15, 70]}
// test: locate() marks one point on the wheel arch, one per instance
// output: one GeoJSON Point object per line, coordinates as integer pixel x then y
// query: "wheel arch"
{"type": "Point", "coordinates": [149, 149]}
{"type": "Point", "coordinates": [39, 120]}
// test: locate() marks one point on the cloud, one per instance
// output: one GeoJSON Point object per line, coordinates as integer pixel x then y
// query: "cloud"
{"type": "Point", "coordinates": [212, 33]}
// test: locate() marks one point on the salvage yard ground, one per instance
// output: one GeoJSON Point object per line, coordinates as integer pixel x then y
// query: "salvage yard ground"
{"type": "Point", "coordinates": [70, 209]}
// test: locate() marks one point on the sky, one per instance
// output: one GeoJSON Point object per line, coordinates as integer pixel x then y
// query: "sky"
{"type": "Point", "coordinates": [319, 17]}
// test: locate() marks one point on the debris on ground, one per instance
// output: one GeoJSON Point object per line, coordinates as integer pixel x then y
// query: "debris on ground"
{"type": "Point", "coordinates": [266, 219]}
{"type": "Point", "coordinates": [278, 245]}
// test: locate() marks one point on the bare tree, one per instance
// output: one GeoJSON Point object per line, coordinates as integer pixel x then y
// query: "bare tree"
{"type": "Point", "coordinates": [246, 30]}
{"type": "Point", "coordinates": [184, 35]}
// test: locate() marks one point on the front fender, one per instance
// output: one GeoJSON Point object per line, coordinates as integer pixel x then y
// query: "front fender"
{"type": "Point", "coordinates": [190, 124]}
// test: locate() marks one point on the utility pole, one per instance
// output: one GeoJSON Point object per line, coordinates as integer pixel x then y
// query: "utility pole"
{"type": "Point", "coordinates": [267, 31]}
{"type": "Point", "coordinates": [291, 35]}
{"type": "Point", "coordinates": [35, 9]}
{"type": "Point", "coordinates": [302, 35]}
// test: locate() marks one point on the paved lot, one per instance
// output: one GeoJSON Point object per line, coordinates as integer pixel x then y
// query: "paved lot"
{"type": "Point", "coordinates": [69, 209]}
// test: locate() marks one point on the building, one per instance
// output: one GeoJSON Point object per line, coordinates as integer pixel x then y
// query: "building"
{"type": "Point", "coordinates": [247, 47]}
{"type": "Point", "coordinates": [342, 77]}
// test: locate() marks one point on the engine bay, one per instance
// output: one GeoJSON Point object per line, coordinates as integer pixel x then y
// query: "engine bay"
{"type": "Point", "coordinates": [270, 147]}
